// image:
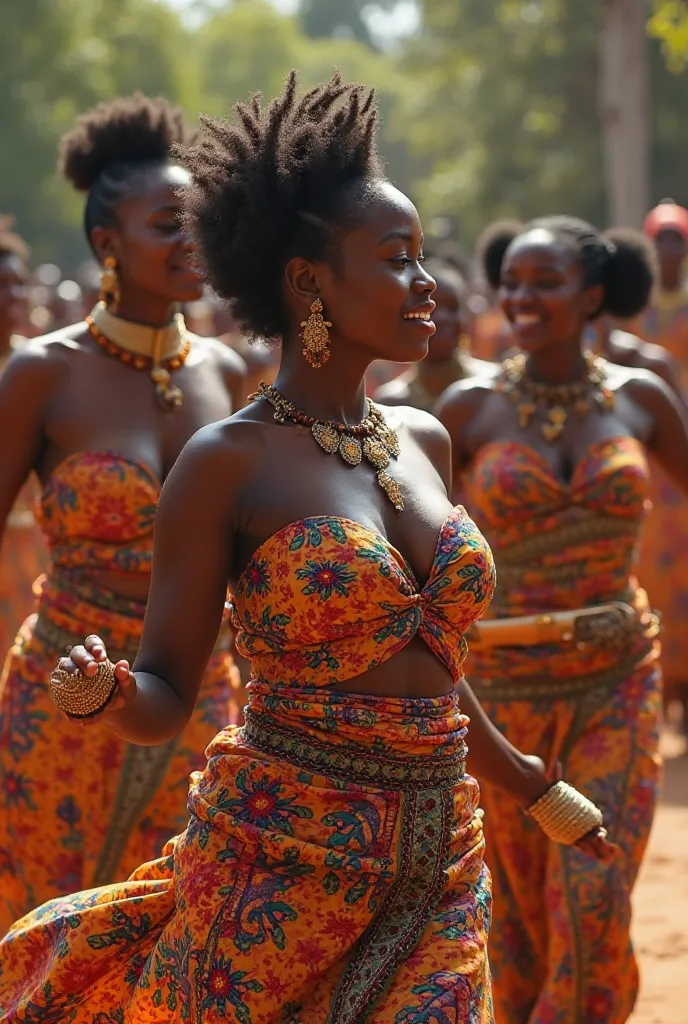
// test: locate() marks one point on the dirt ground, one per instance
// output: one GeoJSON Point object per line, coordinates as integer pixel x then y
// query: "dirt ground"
{"type": "Point", "coordinates": [661, 900]}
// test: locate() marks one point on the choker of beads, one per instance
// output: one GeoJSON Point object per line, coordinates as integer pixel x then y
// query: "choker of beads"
{"type": "Point", "coordinates": [159, 351]}
{"type": "Point", "coordinates": [371, 439]}
{"type": "Point", "coordinates": [553, 401]}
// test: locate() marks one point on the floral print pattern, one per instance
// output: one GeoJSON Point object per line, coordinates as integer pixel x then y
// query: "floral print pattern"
{"type": "Point", "coordinates": [79, 806]}
{"type": "Point", "coordinates": [332, 868]}
{"type": "Point", "coordinates": [341, 566]}
{"type": "Point", "coordinates": [560, 949]}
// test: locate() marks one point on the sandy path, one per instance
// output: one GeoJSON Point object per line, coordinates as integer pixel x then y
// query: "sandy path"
{"type": "Point", "coordinates": [661, 902]}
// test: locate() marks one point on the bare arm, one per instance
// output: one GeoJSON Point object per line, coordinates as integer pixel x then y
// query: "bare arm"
{"type": "Point", "coordinates": [668, 441]}
{"type": "Point", "coordinates": [26, 388]}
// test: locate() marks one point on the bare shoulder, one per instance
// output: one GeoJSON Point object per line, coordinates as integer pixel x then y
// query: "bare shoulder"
{"type": "Point", "coordinates": [425, 429]}
{"type": "Point", "coordinates": [228, 361]}
{"type": "Point", "coordinates": [644, 386]}
{"type": "Point", "coordinates": [465, 397]}
{"type": "Point", "coordinates": [41, 361]}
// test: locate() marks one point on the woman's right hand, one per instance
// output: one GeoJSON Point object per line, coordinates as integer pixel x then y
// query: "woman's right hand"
{"type": "Point", "coordinates": [85, 658]}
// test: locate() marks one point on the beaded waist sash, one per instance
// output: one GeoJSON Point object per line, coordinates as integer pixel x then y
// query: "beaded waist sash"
{"type": "Point", "coordinates": [355, 763]}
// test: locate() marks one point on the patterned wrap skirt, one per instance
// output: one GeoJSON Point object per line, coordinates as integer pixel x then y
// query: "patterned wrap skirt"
{"type": "Point", "coordinates": [331, 872]}
{"type": "Point", "coordinates": [78, 806]}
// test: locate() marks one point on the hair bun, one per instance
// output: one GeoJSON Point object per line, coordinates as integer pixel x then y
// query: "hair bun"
{"type": "Point", "coordinates": [492, 246]}
{"type": "Point", "coordinates": [132, 129]}
{"type": "Point", "coordinates": [630, 274]}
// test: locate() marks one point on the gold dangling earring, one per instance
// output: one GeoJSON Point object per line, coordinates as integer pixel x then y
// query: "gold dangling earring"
{"type": "Point", "coordinates": [316, 337]}
{"type": "Point", "coordinates": [109, 284]}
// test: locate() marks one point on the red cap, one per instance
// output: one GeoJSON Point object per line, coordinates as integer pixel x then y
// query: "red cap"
{"type": "Point", "coordinates": [667, 215]}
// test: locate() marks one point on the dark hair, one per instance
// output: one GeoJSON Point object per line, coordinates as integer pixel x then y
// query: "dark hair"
{"type": "Point", "coordinates": [111, 143]}
{"type": "Point", "coordinates": [12, 244]}
{"type": "Point", "coordinates": [621, 260]}
{"type": "Point", "coordinates": [272, 184]}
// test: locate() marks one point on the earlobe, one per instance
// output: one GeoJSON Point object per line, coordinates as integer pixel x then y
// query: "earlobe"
{"type": "Point", "coordinates": [103, 244]}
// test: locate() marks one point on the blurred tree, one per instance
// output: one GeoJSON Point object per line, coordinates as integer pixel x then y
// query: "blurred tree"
{"type": "Point", "coordinates": [339, 18]}
{"type": "Point", "coordinates": [251, 46]}
{"type": "Point", "coordinates": [57, 57]}
{"type": "Point", "coordinates": [505, 107]}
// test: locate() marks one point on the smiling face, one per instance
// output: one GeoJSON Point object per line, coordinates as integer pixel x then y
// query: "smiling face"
{"type": "Point", "coordinates": [373, 287]}
{"type": "Point", "coordinates": [543, 292]}
{"type": "Point", "coordinates": [148, 242]}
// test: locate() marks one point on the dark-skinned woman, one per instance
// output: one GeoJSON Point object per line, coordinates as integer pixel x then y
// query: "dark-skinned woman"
{"type": "Point", "coordinates": [448, 358]}
{"type": "Point", "coordinates": [23, 555]}
{"type": "Point", "coordinates": [100, 411]}
{"type": "Point", "coordinates": [566, 662]}
{"type": "Point", "coordinates": [333, 868]}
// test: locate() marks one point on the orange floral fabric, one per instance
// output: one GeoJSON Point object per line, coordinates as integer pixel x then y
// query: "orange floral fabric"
{"type": "Point", "coordinates": [23, 557]}
{"type": "Point", "coordinates": [664, 548]}
{"type": "Point", "coordinates": [561, 947]}
{"type": "Point", "coordinates": [78, 806]}
{"type": "Point", "coordinates": [332, 869]}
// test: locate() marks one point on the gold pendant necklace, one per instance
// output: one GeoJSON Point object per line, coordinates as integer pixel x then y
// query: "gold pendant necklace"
{"type": "Point", "coordinates": [372, 438]}
{"type": "Point", "coordinates": [160, 351]}
{"type": "Point", "coordinates": [554, 400]}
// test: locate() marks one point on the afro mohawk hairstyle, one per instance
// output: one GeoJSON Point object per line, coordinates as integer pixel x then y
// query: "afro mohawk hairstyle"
{"type": "Point", "coordinates": [12, 244]}
{"type": "Point", "coordinates": [113, 141]}
{"type": "Point", "coordinates": [271, 184]}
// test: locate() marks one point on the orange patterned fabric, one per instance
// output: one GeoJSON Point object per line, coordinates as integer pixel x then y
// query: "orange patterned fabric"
{"type": "Point", "coordinates": [79, 807]}
{"type": "Point", "coordinates": [332, 870]}
{"type": "Point", "coordinates": [23, 557]}
{"type": "Point", "coordinates": [561, 948]}
{"type": "Point", "coordinates": [664, 550]}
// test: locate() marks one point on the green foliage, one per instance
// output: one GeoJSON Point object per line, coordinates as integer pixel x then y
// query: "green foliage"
{"type": "Point", "coordinates": [506, 112]}
{"type": "Point", "coordinates": [669, 24]}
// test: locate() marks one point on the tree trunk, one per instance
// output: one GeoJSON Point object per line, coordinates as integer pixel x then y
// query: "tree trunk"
{"type": "Point", "coordinates": [624, 110]}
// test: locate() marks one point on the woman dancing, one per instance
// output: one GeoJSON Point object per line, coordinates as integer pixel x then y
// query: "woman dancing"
{"type": "Point", "coordinates": [332, 869]}
{"type": "Point", "coordinates": [555, 458]}
{"type": "Point", "coordinates": [100, 411]}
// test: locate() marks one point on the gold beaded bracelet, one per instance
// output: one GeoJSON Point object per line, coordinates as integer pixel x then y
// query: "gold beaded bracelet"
{"type": "Point", "coordinates": [81, 696]}
{"type": "Point", "coordinates": [564, 814]}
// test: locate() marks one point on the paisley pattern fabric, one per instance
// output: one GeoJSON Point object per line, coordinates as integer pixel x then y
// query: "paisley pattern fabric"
{"type": "Point", "coordinates": [561, 950]}
{"type": "Point", "coordinates": [78, 806]}
{"type": "Point", "coordinates": [664, 549]}
{"type": "Point", "coordinates": [332, 869]}
{"type": "Point", "coordinates": [23, 557]}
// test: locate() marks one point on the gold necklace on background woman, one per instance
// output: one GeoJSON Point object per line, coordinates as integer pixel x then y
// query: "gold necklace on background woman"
{"type": "Point", "coordinates": [553, 403]}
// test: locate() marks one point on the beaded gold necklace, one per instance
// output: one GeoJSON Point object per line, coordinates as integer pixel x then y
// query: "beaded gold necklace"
{"type": "Point", "coordinates": [372, 438]}
{"type": "Point", "coordinates": [554, 400]}
{"type": "Point", "coordinates": [160, 351]}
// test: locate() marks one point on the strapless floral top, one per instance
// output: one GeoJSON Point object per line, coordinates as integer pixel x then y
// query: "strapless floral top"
{"type": "Point", "coordinates": [325, 599]}
{"type": "Point", "coordinates": [560, 545]}
{"type": "Point", "coordinates": [97, 511]}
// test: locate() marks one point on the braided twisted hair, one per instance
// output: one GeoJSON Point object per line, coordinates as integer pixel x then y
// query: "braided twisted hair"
{"type": "Point", "coordinates": [113, 143]}
{"type": "Point", "coordinates": [274, 183]}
